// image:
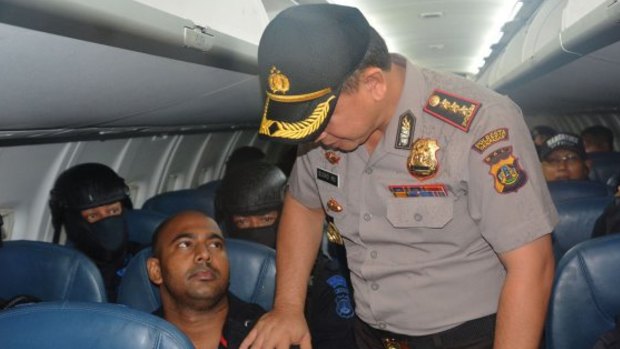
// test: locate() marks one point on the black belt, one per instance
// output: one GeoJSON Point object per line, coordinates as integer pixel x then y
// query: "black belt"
{"type": "Point", "coordinates": [468, 331]}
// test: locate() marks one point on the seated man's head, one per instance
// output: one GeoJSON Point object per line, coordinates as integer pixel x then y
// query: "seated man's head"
{"type": "Point", "coordinates": [541, 133]}
{"type": "Point", "coordinates": [563, 158]}
{"type": "Point", "coordinates": [597, 139]}
{"type": "Point", "coordinates": [250, 199]}
{"type": "Point", "coordinates": [89, 201]}
{"type": "Point", "coordinates": [189, 262]}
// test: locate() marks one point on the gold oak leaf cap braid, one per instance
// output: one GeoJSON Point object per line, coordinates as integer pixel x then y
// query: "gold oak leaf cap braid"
{"type": "Point", "coordinates": [305, 55]}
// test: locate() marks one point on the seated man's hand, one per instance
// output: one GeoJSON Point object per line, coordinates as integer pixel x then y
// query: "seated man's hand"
{"type": "Point", "coordinates": [279, 329]}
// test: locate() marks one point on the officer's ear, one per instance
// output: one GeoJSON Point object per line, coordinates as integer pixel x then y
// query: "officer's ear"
{"type": "Point", "coordinates": [374, 80]}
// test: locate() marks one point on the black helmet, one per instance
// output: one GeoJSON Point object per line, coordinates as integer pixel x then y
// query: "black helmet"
{"type": "Point", "coordinates": [251, 189]}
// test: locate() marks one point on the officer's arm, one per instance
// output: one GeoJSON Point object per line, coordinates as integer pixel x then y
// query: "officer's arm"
{"type": "Point", "coordinates": [525, 295]}
{"type": "Point", "coordinates": [299, 236]}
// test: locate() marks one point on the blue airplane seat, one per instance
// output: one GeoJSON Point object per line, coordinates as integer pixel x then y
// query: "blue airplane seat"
{"type": "Point", "coordinates": [86, 325]}
{"type": "Point", "coordinates": [604, 165]}
{"type": "Point", "coordinates": [49, 272]}
{"type": "Point", "coordinates": [176, 201]}
{"type": "Point", "coordinates": [576, 221]}
{"type": "Point", "coordinates": [585, 298]}
{"type": "Point", "coordinates": [568, 190]}
{"type": "Point", "coordinates": [252, 277]}
{"type": "Point", "coordinates": [141, 225]}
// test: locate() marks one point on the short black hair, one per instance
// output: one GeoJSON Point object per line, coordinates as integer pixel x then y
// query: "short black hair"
{"type": "Point", "coordinates": [377, 55]}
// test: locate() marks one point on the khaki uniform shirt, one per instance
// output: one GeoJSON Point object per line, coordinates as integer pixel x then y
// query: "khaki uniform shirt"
{"type": "Point", "coordinates": [422, 249]}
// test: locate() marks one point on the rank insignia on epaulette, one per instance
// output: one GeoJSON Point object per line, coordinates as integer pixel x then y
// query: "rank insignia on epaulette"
{"type": "Point", "coordinates": [404, 133]}
{"type": "Point", "coordinates": [489, 139]}
{"type": "Point", "coordinates": [505, 169]}
{"type": "Point", "coordinates": [422, 161]}
{"type": "Point", "coordinates": [455, 110]}
{"type": "Point", "coordinates": [332, 157]}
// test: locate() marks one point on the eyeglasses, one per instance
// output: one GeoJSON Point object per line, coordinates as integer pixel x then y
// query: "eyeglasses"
{"type": "Point", "coordinates": [571, 159]}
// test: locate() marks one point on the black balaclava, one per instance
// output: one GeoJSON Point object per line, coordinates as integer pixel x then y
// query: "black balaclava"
{"type": "Point", "coordinates": [86, 186]}
{"type": "Point", "coordinates": [252, 189]}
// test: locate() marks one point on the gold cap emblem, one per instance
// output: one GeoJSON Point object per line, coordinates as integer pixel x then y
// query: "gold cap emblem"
{"type": "Point", "coordinates": [422, 162]}
{"type": "Point", "coordinates": [278, 82]}
{"type": "Point", "coordinates": [333, 205]}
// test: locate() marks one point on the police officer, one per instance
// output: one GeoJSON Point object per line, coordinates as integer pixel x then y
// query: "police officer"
{"type": "Point", "coordinates": [89, 201]}
{"type": "Point", "coordinates": [433, 182]}
{"type": "Point", "coordinates": [250, 200]}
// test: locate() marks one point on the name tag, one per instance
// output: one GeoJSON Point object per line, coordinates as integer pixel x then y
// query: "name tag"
{"type": "Point", "coordinates": [327, 176]}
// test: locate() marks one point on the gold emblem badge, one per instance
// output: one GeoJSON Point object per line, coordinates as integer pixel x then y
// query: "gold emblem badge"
{"type": "Point", "coordinates": [278, 82]}
{"type": "Point", "coordinates": [332, 157]}
{"type": "Point", "coordinates": [334, 206]}
{"type": "Point", "coordinates": [333, 234]}
{"type": "Point", "coordinates": [422, 161]}
{"type": "Point", "coordinates": [506, 172]}
{"type": "Point", "coordinates": [389, 343]}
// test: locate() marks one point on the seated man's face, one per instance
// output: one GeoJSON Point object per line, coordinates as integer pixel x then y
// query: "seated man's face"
{"type": "Point", "coordinates": [95, 214]}
{"type": "Point", "coordinates": [255, 221]}
{"type": "Point", "coordinates": [190, 260]}
{"type": "Point", "coordinates": [563, 164]}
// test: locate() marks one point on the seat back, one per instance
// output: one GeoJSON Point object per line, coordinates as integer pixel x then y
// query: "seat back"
{"type": "Point", "coordinates": [568, 190]}
{"type": "Point", "coordinates": [141, 225]}
{"type": "Point", "coordinates": [576, 222]}
{"type": "Point", "coordinates": [86, 325]}
{"type": "Point", "coordinates": [604, 165]}
{"type": "Point", "coordinates": [48, 272]}
{"type": "Point", "coordinates": [585, 297]}
{"type": "Point", "coordinates": [177, 201]}
{"type": "Point", "coordinates": [252, 277]}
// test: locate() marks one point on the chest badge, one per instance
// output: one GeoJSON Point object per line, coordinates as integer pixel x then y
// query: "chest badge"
{"type": "Point", "coordinates": [332, 157]}
{"type": "Point", "coordinates": [422, 161]}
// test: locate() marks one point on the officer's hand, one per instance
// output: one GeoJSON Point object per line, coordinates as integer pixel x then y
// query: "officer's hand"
{"type": "Point", "coordinates": [278, 330]}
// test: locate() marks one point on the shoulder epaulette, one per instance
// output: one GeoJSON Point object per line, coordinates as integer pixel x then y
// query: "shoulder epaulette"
{"type": "Point", "coordinates": [455, 110]}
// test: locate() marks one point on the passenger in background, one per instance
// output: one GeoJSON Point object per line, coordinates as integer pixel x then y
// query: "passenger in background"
{"type": "Point", "coordinates": [190, 266]}
{"type": "Point", "coordinates": [597, 139]}
{"type": "Point", "coordinates": [250, 200]}
{"type": "Point", "coordinates": [540, 134]}
{"type": "Point", "coordinates": [563, 158]}
{"type": "Point", "coordinates": [89, 201]}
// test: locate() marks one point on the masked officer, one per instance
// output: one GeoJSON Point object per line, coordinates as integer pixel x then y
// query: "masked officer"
{"type": "Point", "coordinates": [432, 180]}
{"type": "Point", "coordinates": [89, 200]}
{"type": "Point", "coordinates": [250, 199]}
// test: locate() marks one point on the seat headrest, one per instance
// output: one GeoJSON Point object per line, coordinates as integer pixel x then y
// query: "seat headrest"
{"type": "Point", "coordinates": [141, 225]}
{"type": "Point", "coordinates": [48, 272]}
{"type": "Point", "coordinates": [86, 325]}
{"type": "Point", "coordinates": [568, 190]}
{"type": "Point", "coordinates": [182, 200]}
{"type": "Point", "coordinates": [576, 222]}
{"type": "Point", "coordinates": [252, 277]}
{"type": "Point", "coordinates": [585, 298]}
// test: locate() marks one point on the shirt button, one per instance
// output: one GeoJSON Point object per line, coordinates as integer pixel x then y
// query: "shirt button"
{"type": "Point", "coordinates": [367, 217]}
{"type": "Point", "coordinates": [374, 286]}
{"type": "Point", "coordinates": [368, 170]}
{"type": "Point", "coordinates": [417, 217]}
{"type": "Point", "coordinates": [373, 254]}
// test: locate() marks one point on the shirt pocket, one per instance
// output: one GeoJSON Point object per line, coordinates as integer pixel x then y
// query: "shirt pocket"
{"type": "Point", "coordinates": [420, 212]}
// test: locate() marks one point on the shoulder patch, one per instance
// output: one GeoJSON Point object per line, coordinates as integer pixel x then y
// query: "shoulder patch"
{"type": "Point", "coordinates": [455, 110]}
{"type": "Point", "coordinates": [504, 168]}
{"type": "Point", "coordinates": [489, 139]}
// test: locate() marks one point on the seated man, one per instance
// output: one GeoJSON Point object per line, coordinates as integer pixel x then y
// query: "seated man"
{"type": "Point", "coordinates": [540, 134]}
{"type": "Point", "coordinates": [89, 200]}
{"type": "Point", "coordinates": [597, 138]}
{"type": "Point", "coordinates": [563, 158]}
{"type": "Point", "coordinates": [250, 201]}
{"type": "Point", "coordinates": [190, 266]}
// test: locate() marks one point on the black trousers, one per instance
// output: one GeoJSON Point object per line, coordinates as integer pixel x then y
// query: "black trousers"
{"type": "Point", "coordinates": [474, 334]}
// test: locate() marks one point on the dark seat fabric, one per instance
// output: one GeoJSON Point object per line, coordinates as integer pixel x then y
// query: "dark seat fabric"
{"type": "Point", "coordinates": [568, 190]}
{"type": "Point", "coordinates": [86, 325]}
{"type": "Point", "coordinates": [585, 298]}
{"type": "Point", "coordinates": [48, 272]}
{"type": "Point", "coordinates": [576, 222]}
{"type": "Point", "coordinates": [177, 201]}
{"type": "Point", "coordinates": [252, 277]}
{"type": "Point", "coordinates": [604, 165]}
{"type": "Point", "coordinates": [141, 225]}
